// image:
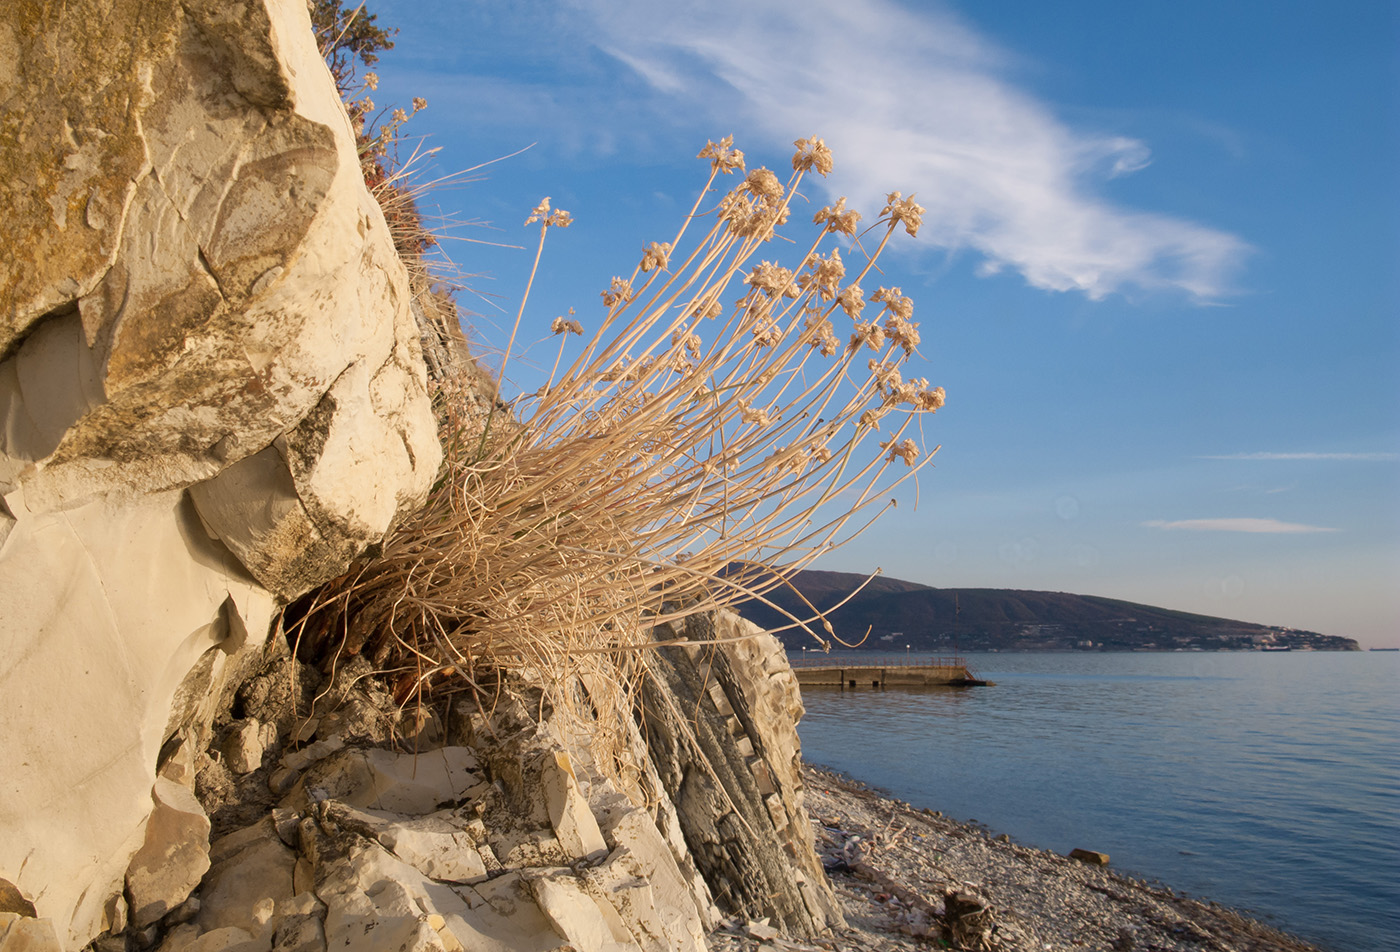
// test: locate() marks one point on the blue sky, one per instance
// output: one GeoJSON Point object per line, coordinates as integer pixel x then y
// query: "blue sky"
{"type": "Point", "coordinates": [1157, 276]}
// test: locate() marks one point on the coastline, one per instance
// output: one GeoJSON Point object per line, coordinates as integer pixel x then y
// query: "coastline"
{"type": "Point", "coordinates": [892, 866]}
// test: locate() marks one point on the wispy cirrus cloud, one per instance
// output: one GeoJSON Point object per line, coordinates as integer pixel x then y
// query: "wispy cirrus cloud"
{"type": "Point", "coordinates": [918, 99]}
{"type": "Point", "coordinates": [1235, 525]}
{"type": "Point", "coordinates": [1352, 457]}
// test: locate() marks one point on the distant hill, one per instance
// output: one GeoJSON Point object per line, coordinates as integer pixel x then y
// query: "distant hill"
{"type": "Point", "coordinates": [900, 613]}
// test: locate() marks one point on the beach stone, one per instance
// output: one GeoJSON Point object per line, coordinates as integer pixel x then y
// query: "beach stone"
{"type": "Point", "coordinates": [1092, 857]}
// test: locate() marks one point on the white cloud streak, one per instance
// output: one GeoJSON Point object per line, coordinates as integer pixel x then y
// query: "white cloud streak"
{"type": "Point", "coordinates": [922, 102]}
{"type": "Point", "coordinates": [1272, 526]}
{"type": "Point", "coordinates": [1348, 457]}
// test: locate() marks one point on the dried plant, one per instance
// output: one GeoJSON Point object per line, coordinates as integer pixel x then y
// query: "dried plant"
{"type": "Point", "coordinates": [714, 433]}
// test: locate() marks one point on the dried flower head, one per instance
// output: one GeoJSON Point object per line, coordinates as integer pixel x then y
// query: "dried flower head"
{"type": "Point", "coordinates": [722, 155]}
{"type": "Point", "coordinates": [885, 374]}
{"type": "Point", "coordinates": [823, 334]}
{"type": "Point", "coordinates": [852, 301]}
{"type": "Point", "coordinates": [836, 219]}
{"type": "Point", "coordinates": [894, 301]}
{"type": "Point", "coordinates": [765, 185]}
{"type": "Point", "coordinates": [691, 342]}
{"type": "Point", "coordinates": [766, 334]}
{"type": "Point", "coordinates": [812, 153]}
{"type": "Point", "coordinates": [930, 400]}
{"type": "Point", "coordinates": [562, 325]}
{"type": "Point", "coordinates": [906, 210]}
{"type": "Point", "coordinates": [871, 417]}
{"type": "Point", "coordinates": [772, 279]}
{"type": "Point", "coordinates": [419, 104]}
{"type": "Point", "coordinates": [753, 415]}
{"type": "Point", "coordinates": [902, 332]}
{"type": "Point", "coordinates": [371, 80]}
{"type": "Point", "coordinates": [870, 334]}
{"type": "Point", "coordinates": [825, 274]}
{"type": "Point", "coordinates": [619, 292]}
{"type": "Point", "coordinates": [557, 218]}
{"type": "Point", "coordinates": [656, 255]}
{"type": "Point", "coordinates": [905, 450]}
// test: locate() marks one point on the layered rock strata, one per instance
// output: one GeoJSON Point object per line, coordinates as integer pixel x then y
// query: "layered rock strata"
{"type": "Point", "coordinates": [720, 721]}
{"type": "Point", "coordinates": [211, 397]}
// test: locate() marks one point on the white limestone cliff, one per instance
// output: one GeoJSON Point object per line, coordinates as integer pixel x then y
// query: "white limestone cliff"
{"type": "Point", "coordinates": [211, 395]}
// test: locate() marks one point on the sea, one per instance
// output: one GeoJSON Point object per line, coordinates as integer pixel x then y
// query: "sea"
{"type": "Point", "coordinates": [1265, 781]}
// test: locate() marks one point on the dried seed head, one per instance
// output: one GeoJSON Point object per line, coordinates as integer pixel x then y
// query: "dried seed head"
{"type": "Point", "coordinates": [812, 153]}
{"type": "Point", "coordinates": [872, 335]}
{"type": "Point", "coordinates": [906, 451]}
{"type": "Point", "coordinates": [656, 255]}
{"type": "Point", "coordinates": [557, 218]}
{"type": "Point", "coordinates": [772, 279]}
{"type": "Point", "coordinates": [752, 414]}
{"type": "Point", "coordinates": [836, 219]}
{"type": "Point", "coordinates": [930, 400]}
{"type": "Point", "coordinates": [563, 326]}
{"type": "Point", "coordinates": [766, 334]}
{"type": "Point", "coordinates": [895, 302]}
{"type": "Point", "coordinates": [540, 212]}
{"type": "Point", "coordinates": [902, 332]}
{"type": "Point", "coordinates": [826, 274]}
{"type": "Point", "coordinates": [852, 301]}
{"type": "Point", "coordinates": [765, 185]}
{"type": "Point", "coordinates": [823, 335]}
{"type": "Point", "coordinates": [722, 155]}
{"type": "Point", "coordinates": [691, 342]}
{"type": "Point", "coordinates": [906, 210]}
{"type": "Point", "coordinates": [872, 416]}
{"type": "Point", "coordinates": [419, 104]}
{"type": "Point", "coordinates": [885, 374]}
{"type": "Point", "coordinates": [619, 292]}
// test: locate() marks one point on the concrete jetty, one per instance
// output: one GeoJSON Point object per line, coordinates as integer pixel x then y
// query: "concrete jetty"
{"type": "Point", "coordinates": [877, 675]}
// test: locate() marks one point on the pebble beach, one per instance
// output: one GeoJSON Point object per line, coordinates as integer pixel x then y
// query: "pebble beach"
{"type": "Point", "coordinates": [913, 879]}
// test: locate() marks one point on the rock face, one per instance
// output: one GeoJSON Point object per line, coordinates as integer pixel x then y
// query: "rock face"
{"type": "Point", "coordinates": [211, 397]}
{"type": "Point", "coordinates": [720, 721]}
{"type": "Point", "coordinates": [501, 835]}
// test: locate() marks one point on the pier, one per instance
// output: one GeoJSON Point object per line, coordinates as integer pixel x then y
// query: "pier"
{"type": "Point", "coordinates": [877, 675]}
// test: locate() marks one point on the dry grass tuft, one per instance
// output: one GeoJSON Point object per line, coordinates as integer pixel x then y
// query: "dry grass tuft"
{"type": "Point", "coordinates": [724, 424]}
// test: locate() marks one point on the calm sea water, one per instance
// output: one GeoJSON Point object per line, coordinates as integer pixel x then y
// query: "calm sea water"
{"type": "Point", "coordinates": [1267, 782]}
